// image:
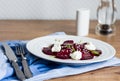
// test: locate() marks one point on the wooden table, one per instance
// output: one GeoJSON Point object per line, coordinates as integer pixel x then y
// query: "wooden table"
{"type": "Point", "coordinates": [29, 29]}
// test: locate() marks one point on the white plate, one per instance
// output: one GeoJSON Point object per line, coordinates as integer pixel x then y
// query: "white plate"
{"type": "Point", "coordinates": [36, 45]}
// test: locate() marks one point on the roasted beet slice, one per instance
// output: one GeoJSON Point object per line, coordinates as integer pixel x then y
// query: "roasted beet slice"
{"type": "Point", "coordinates": [63, 54]}
{"type": "Point", "coordinates": [96, 52]}
{"type": "Point", "coordinates": [78, 47]}
{"type": "Point", "coordinates": [68, 42]}
{"type": "Point", "coordinates": [47, 51]}
{"type": "Point", "coordinates": [86, 54]}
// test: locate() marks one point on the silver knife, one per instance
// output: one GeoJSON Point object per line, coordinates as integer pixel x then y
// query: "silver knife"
{"type": "Point", "coordinates": [13, 59]}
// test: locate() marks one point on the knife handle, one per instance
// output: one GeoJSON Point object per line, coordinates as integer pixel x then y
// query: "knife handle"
{"type": "Point", "coordinates": [26, 68]}
{"type": "Point", "coordinates": [18, 71]}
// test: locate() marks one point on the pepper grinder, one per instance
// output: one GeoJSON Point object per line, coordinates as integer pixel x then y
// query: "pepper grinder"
{"type": "Point", "coordinates": [106, 15]}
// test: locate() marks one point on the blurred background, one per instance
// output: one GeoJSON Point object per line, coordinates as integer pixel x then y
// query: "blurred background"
{"type": "Point", "coordinates": [47, 9]}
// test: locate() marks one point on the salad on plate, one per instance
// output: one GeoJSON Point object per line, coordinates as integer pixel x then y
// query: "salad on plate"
{"type": "Point", "coordinates": [69, 49]}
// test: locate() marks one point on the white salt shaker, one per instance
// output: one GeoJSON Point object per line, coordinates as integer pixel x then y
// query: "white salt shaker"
{"type": "Point", "coordinates": [82, 21]}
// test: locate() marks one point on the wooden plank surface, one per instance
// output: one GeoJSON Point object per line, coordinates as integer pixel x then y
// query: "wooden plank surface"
{"type": "Point", "coordinates": [29, 29]}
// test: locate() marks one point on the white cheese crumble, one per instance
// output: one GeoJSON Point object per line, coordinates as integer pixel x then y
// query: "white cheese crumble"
{"type": "Point", "coordinates": [56, 48]}
{"type": "Point", "coordinates": [77, 55]}
{"type": "Point", "coordinates": [90, 46]}
{"type": "Point", "coordinates": [57, 45]}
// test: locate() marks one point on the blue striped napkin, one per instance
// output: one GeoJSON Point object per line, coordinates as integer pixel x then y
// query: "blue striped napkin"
{"type": "Point", "coordinates": [44, 70]}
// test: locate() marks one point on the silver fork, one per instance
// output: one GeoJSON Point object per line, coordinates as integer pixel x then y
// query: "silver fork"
{"type": "Point", "coordinates": [20, 51]}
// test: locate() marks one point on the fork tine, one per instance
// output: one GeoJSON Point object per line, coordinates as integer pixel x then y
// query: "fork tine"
{"type": "Point", "coordinates": [22, 49]}
{"type": "Point", "coordinates": [17, 49]}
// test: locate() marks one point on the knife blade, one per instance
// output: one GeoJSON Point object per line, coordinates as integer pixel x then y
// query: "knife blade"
{"type": "Point", "coordinates": [13, 60]}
